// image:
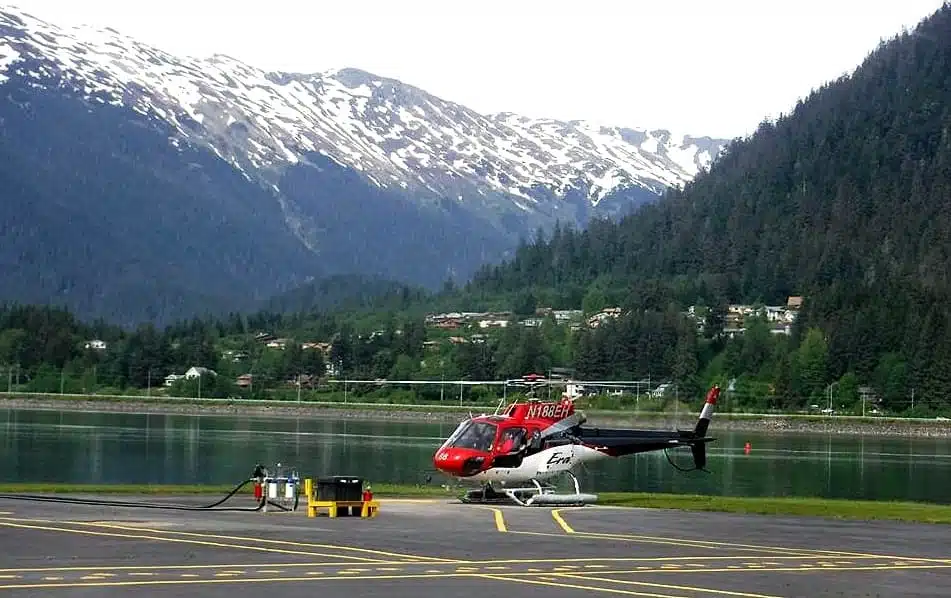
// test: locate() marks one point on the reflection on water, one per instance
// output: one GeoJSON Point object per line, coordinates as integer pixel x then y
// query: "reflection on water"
{"type": "Point", "coordinates": [62, 446]}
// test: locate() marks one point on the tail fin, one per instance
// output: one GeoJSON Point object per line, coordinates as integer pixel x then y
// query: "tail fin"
{"type": "Point", "coordinates": [699, 448]}
{"type": "Point", "coordinates": [707, 414]}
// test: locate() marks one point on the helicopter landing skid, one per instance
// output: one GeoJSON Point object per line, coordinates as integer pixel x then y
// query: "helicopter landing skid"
{"type": "Point", "coordinates": [535, 495]}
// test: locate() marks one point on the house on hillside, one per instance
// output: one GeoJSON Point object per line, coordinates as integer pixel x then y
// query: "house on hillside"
{"type": "Point", "coordinates": [198, 371]}
{"type": "Point", "coordinates": [606, 313]}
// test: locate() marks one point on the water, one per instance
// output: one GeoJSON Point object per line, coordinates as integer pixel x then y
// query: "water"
{"type": "Point", "coordinates": [70, 447]}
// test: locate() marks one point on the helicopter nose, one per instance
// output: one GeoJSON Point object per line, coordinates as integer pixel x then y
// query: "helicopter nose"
{"type": "Point", "coordinates": [458, 462]}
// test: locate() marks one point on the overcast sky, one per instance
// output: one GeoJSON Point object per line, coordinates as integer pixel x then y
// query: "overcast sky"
{"type": "Point", "coordinates": [705, 67]}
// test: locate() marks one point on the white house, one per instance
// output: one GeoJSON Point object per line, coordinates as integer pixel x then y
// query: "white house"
{"type": "Point", "coordinates": [197, 371]}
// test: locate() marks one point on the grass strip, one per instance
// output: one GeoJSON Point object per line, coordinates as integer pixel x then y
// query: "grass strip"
{"type": "Point", "coordinates": [790, 506]}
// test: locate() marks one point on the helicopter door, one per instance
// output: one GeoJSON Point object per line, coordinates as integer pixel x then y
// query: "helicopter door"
{"type": "Point", "coordinates": [510, 448]}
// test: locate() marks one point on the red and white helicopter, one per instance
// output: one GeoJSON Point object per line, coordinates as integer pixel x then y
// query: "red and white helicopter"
{"type": "Point", "coordinates": [525, 446]}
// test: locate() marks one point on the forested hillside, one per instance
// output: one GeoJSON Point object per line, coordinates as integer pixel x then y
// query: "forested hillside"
{"type": "Point", "coordinates": [846, 201]}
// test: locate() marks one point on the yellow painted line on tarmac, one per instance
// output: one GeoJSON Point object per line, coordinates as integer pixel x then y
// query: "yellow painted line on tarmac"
{"type": "Point", "coordinates": [603, 564]}
{"type": "Point", "coordinates": [160, 568]}
{"type": "Point", "coordinates": [220, 580]}
{"type": "Point", "coordinates": [770, 551]}
{"type": "Point", "coordinates": [268, 541]}
{"type": "Point", "coordinates": [499, 520]}
{"type": "Point", "coordinates": [735, 569]}
{"type": "Point", "coordinates": [662, 541]}
{"type": "Point", "coordinates": [499, 517]}
{"type": "Point", "coordinates": [177, 540]}
{"type": "Point", "coordinates": [562, 584]}
{"type": "Point", "coordinates": [666, 586]}
{"type": "Point", "coordinates": [735, 545]}
{"type": "Point", "coordinates": [556, 515]}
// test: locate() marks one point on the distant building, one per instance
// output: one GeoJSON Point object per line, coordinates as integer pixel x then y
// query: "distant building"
{"type": "Point", "coordinates": [606, 313]}
{"type": "Point", "coordinates": [198, 371]}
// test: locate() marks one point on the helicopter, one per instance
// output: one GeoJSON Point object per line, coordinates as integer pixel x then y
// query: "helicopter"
{"type": "Point", "coordinates": [514, 454]}
{"type": "Point", "coordinates": [535, 441]}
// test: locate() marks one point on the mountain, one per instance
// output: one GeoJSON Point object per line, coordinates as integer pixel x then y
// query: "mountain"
{"type": "Point", "coordinates": [144, 185]}
{"type": "Point", "coordinates": [845, 201]}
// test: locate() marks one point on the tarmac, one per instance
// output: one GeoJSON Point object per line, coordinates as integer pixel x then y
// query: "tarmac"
{"type": "Point", "coordinates": [438, 547]}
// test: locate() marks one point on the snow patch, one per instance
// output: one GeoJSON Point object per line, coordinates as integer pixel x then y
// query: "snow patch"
{"type": "Point", "coordinates": [7, 57]}
{"type": "Point", "coordinates": [404, 138]}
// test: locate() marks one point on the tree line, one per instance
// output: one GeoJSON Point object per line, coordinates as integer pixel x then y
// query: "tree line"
{"type": "Point", "coordinates": [766, 371]}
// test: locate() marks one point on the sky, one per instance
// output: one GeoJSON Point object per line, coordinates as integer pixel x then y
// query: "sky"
{"type": "Point", "coordinates": [703, 67]}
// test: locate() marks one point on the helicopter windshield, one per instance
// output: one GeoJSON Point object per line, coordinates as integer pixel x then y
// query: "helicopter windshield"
{"type": "Point", "coordinates": [455, 434]}
{"type": "Point", "coordinates": [477, 436]}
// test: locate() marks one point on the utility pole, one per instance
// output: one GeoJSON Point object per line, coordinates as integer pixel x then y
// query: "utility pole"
{"type": "Point", "coordinates": [148, 391]}
{"type": "Point", "coordinates": [62, 380]}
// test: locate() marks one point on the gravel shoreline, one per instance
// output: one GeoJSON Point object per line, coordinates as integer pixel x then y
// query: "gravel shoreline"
{"type": "Point", "coordinates": [838, 426]}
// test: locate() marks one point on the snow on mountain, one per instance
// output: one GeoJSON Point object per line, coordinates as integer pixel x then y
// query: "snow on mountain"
{"type": "Point", "coordinates": [398, 136]}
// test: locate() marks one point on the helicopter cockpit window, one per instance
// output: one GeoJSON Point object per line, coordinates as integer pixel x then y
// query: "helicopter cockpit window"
{"type": "Point", "coordinates": [455, 434]}
{"type": "Point", "coordinates": [477, 436]}
{"type": "Point", "coordinates": [511, 439]}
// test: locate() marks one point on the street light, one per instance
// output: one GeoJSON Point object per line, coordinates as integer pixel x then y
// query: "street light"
{"type": "Point", "coordinates": [830, 396]}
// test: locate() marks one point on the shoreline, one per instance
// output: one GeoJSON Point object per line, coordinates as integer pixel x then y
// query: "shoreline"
{"type": "Point", "coordinates": [838, 425]}
{"type": "Point", "coordinates": [917, 512]}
